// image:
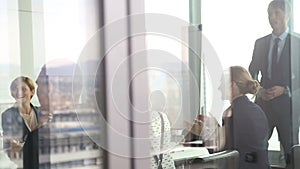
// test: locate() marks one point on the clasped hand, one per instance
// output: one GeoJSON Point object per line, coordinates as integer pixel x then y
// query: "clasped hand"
{"type": "Point", "coordinates": [271, 93]}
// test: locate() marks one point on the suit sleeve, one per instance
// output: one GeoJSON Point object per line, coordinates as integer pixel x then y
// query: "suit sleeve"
{"type": "Point", "coordinates": [255, 64]}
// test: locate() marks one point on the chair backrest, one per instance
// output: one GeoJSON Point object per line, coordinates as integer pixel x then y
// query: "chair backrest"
{"type": "Point", "coordinates": [296, 156]}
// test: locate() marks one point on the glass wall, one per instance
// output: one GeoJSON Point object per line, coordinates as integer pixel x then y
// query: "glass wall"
{"type": "Point", "coordinates": [232, 34]}
{"type": "Point", "coordinates": [49, 40]}
{"type": "Point", "coordinates": [44, 40]}
{"type": "Point", "coordinates": [170, 71]}
{"type": "Point", "coordinates": [296, 24]}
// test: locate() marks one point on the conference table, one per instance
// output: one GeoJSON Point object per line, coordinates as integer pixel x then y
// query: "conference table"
{"type": "Point", "coordinates": [202, 158]}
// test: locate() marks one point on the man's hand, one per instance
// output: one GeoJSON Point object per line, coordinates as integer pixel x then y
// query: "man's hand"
{"type": "Point", "coordinates": [271, 93]}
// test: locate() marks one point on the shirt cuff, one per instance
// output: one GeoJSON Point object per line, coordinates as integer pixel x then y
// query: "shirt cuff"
{"type": "Point", "coordinates": [287, 91]}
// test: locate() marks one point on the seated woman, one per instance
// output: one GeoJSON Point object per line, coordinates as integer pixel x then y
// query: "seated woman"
{"type": "Point", "coordinates": [245, 122]}
{"type": "Point", "coordinates": [160, 133]}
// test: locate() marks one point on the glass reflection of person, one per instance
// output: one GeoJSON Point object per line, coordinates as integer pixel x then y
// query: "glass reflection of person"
{"type": "Point", "coordinates": [59, 84]}
{"type": "Point", "coordinates": [21, 122]}
{"type": "Point", "coordinates": [58, 93]}
{"type": "Point", "coordinates": [276, 74]}
{"type": "Point", "coordinates": [160, 123]}
{"type": "Point", "coordinates": [246, 124]}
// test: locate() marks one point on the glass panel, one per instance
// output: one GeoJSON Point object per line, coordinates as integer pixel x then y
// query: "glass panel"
{"type": "Point", "coordinates": [52, 35]}
{"type": "Point", "coordinates": [168, 72]}
{"type": "Point", "coordinates": [74, 132]}
{"type": "Point", "coordinates": [9, 46]}
{"type": "Point", "coordinates": [296, 16]}
{"type": "Point", "coordinates": [295, 86]}
{"type": "Point", "coordinates": [233, 34]}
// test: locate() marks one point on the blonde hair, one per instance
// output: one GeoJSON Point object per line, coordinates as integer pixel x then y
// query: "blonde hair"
{"type": "Point", "coordinates": [243, 79]}
{"type": "Point", "coordinates": [29, 82]}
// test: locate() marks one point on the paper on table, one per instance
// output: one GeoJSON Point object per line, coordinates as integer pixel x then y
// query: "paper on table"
{"type": "Point", "coordinates": [188, 152]}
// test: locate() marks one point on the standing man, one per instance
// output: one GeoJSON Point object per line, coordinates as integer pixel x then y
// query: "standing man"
{"type": "Point", "coordinates": [272, 57]}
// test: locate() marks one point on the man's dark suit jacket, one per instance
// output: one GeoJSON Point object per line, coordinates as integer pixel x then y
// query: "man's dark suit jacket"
{"type": "Point", "coordinates": [287, 76]}
{"type": "Point", "coordinates": [259, 61]}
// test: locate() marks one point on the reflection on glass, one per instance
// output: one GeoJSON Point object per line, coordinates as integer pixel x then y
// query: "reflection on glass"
{"type": "Point", "coordinates": [69, 136]}
{"type": "Point", "coordinates": [21, 123]}
{"type": "Point", "coordinates": [53, 29]}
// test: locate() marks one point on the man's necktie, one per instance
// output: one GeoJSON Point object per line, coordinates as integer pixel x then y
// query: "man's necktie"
{"type": "Point", "coordinates": [274, 65]}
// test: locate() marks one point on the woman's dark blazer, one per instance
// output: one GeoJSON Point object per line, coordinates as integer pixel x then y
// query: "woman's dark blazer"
{"type": "Point", "coordinates": [14, 126]}
{"type": "Point", "coordinates": [250, 132]}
